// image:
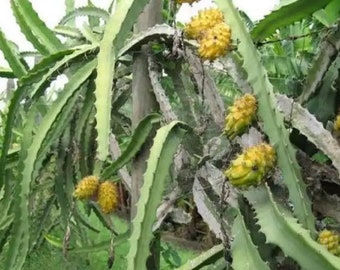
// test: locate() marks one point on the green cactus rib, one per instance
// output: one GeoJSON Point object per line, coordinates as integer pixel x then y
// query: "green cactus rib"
{"type": "Point", "coordinates": [12, 57]}
{"type": "Point", "coordinates": [20, 228]}
{"type": "Point", "coordinates": [58, 66]}
{"type": "Point", "coordinates": [86, 110]}
{"type": "Point", "coordinates": [116, 31]}
{"type": "Point", "coordinates": [308, 125]}
{"type": "Point", "coordinates": [244, 252]}
{"type": "Point", "coordinates": [36, 233]}
{"type": "Point", "coordinates": [35, 30]}
{"type": "Point", "coordinates": [12, 110]}
{"type": "Point", "coordinates": [7, 72]}
{"type": "Point", "coordinates": [139, 136]}
{"type": "Point", "coordinates": [326, 94]}
{"type": "Point", "coordinates": [207, 257]}
{"type": "Point", "coordinates": [160, 159]}
{"type": "Point", "coordinates": [284, 231]}
{"type": "Point", "coordinates": [138, 39]}
{"type": "Point", "coordinates": [55, 62]}
{"type": "Point", "coordinates": [87, 33]}
{"type": "Point", "coordinates": [6, 217]}
{"type": "Point", "coordinates": [27, 166]}
{"type": "Point", "coordinates": [329, 48]}
{"type": "Point", "coordinates": [68, 31]}
{"type": "Point", "coordinates": [86, 153]}
{"type": "Point", "coordinates": [60, 181]}
{"type": "Point", "coordinates": [273, 120]}
{"type": "Point", "coordinates": [39, 77]}
{"type": "Point", "coordinates": [90, 11]}
{"type": "Point", "coordinates": [56, 129]}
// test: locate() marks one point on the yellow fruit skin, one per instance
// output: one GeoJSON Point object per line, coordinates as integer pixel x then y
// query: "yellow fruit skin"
{"type": "Point", "coordinates": [185, 1]}
{"type": "Point", "coordinates": [107, 196]}
{"type": "Point", "coordinates": [250, 167]}
{"type": "Point", "coordinates": [87, 187]}
{"type": "Point", "coordinates": [205, 20]}
{"type": "Point", "coordinates": [336, 125]}
{"type": "Point", "coordinates": [331, 240]}
{"type": "Point", "coordinates": [214, 42]}
{"type": "Point", "coordinates": [240, 115]}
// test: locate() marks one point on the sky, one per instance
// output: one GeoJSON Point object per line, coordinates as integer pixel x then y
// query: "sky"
{"type": "Point", "coordinates": [52, 11]}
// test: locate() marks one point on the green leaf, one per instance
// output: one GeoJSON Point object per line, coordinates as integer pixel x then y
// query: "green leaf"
{"type": "Point", "coordinates": [272, 119]}
{"type": "Point", "coordinates": [35, 30]}
{"type": "Point", "coordinates": [13, 58]}
{"type": "Point", "coordinates": [286, 15]}
{"type": "Point", "coordinates": [320, 157]}
{"type": "Point", "coordinates": [330, 14]}
{"type": "Point", "coordinates": [160, 159]}
{"type": "Point", "coordinates": [244, 252]}
{"type": "Point", "coordinates": [53, 240]}
{"type": "Point", "coordinates": [139, 136]}
{"type": "Point", "coordinates": [283, 231]}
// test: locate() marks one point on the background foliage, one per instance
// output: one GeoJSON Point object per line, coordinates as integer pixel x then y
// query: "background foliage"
{"type": "Point", "coordinates": [168, 154]}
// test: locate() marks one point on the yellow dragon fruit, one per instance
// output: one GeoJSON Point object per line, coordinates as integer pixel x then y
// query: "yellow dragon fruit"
{"type": "Point", "coordinates": [250, 167]}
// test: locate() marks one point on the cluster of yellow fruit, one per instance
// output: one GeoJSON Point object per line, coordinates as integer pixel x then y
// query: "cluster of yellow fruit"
{"type": "Point", "coordinates": [211, 32]}
{"type": "Point", "coordinates": [331, 240]}
{"type": "Point", "coordinates": [104, 193]}
{"type": "Point", "coordinates": [250, 167]}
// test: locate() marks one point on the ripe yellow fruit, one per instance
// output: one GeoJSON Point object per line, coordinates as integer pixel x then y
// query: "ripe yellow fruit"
{"type": "Point", "coordinates": [240, 115]}
{"type": "Point", "coordinates": [214, 42]}
{"type": "Point", "coordinates": [331, 240]}
{"type": "Point", "coordinates": [205, 20]}
{"type": "Point", "coordinates": [86, 188]}
{"type": "Point", "coordinates": [107, 196]}
{"type": "Point", "coordinates": [251, 166]}
{"type": "Point", "coordinates": [185, 1]}
{"type": "Point", "coordinates": [336, 125]}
